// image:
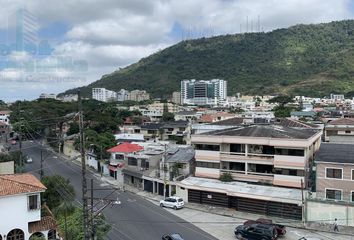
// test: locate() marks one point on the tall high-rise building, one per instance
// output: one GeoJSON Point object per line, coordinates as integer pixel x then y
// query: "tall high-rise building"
{"type": "Point", "coordinates": [176, 97]}
{"type": "Point", "coordinates": [203, 92]}
{"type": "Point", "coordinates": [104, 95]}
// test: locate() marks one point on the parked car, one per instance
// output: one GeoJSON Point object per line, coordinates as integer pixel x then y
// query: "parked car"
{"type": "Point", "coordinates": [172, 236]}
{"type": "Point", "coordinates": [172, 202]}
{"type": "Point", "coordinates": [256, 232]}
{"type": "Point", "coordinates": [28, 159]}
{"type": "Point", "coordinates": [281, 229]}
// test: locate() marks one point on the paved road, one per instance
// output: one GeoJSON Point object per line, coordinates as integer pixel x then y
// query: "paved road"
{"type": "Point", "coordinates": [135, 218]}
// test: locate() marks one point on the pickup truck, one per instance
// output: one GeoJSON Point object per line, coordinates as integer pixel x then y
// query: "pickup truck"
{"type": "Point", "coordinates": [281, 229]}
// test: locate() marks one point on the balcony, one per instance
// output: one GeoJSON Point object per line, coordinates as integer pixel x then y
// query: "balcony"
{"type": "Point", "coordinates": [250, 176]}
{"type": "Point", "coordinates": [234, 156]}
{"type": "Point", "coordinates": [207, 155]}
{"type": "Point", "coordinates": [283, 161]}
{"type": "Point", "coordinates": [288, 181]}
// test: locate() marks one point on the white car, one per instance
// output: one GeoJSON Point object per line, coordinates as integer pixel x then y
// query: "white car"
{"type": "Point", "coordinates": [172, 202]}
{"type": "Point", "coordinates": [29, 160]}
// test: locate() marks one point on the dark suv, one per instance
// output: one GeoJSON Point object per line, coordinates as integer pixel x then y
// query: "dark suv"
{"type": "Point", "coordinates": [256, 232]}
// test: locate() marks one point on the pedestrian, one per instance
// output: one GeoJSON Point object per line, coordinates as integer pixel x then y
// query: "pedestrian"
{"type": "Point", "coordinates": [335, 224]}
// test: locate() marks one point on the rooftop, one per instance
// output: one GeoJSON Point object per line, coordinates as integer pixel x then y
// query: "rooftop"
{"type": "Point", "coordinates": [342, 121]}
{"type": "Point", "coordinates": [241, 188]}
{"type": "Point", "coordinates": [182, 155]}
{"type": "Point", "coordinates": [231, 121]}
{"type": "Point", "coordinates": [125, 148]}
{"type": "Point", "coordinates": [13, 184]}
{"type": "Point", "coordinates": [266, 131]}
{"type": "Point", "coordinates": [335, 153]}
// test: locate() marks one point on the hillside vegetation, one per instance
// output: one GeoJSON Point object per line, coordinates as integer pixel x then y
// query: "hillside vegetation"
{"type": "Point", "coordinates": [313, 60]}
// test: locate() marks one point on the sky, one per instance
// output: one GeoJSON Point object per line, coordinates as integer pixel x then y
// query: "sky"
{"type": "Point", "coordinates": [48, 46]}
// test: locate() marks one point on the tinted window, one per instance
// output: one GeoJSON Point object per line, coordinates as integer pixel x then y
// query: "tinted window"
{"type": "Point", "coordinates": [173, 200]}
{"type": "Point", "coordinates": [180, 200]}
{"type": "Point", "coordinates": [334, 173]}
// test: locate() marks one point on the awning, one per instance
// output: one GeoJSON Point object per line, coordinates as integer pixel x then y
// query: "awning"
{"type": "Point", "coordinates": [112, 168]}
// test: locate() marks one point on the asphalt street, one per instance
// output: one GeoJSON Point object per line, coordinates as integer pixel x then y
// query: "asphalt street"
{"type": "Point", "coordinates": [134, 219]}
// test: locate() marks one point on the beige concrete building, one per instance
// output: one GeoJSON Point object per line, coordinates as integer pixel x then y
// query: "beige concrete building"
{"type": "Point", "coordinates": [335, 172]}
{"type": "Point", "coordinates": [265, 154]}
{"type": "Point", "coordinates": [340, 131]}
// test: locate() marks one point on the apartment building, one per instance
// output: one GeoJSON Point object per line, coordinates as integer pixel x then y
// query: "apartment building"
{"type": "Point", "coordinates": [176, 97]}
{"type": "Point", "coordinates": [335, 172]}
{"type": "Point", "coordinates": [104, 95]}
{"type": "Point", "coordinates": [269, 154]}
{"type": "Point", "coordinates": [138, 95]}
{"type": "Point", "coordinates": [5, 117]}
{"type": "Point", "coordinates": [340, 131]}
{"type": "Point", "coordinates": [122, 95]}
{"type": "Point", "coordinates": [203, 92]}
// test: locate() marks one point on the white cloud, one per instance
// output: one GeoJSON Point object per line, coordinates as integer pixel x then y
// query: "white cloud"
{"type": "Point", "coordinates": [109, 34]}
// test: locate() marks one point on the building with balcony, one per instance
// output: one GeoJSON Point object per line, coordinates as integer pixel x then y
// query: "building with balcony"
{"type": "Point", "coordinates": [20, 205]}
{"type": "Point", "coordinates": [104, 95]}
{"type": "Point", "coordinates": [264, 154]}
{"type": "Point", "coordinates": [119, 156]}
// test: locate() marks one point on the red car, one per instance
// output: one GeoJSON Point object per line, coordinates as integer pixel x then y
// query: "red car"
{"type": "Point", "coordinates": [281, 229]}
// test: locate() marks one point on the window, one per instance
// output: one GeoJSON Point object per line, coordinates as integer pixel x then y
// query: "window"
{"type": "Point", "coordinates": [352, 174]}
{"type": "Point", "coordinates": [207, 147]}
{"type": "Point", "coordinates": [348, 132]}
{"type": "Point", "coordinates": [352, 196]}
{"type": "Point", "coordinates": [132, 161]}
{"type": "Point", "coordinates": [334, 173]}
{"type": "Point", "coordinates": [33, 202]}
{"type": "Point", "coordinates": [237, 166]}
{"type": "Point", "coordinates": [333, 194]}
{"type": "Point", "coordinates": [208, 165]}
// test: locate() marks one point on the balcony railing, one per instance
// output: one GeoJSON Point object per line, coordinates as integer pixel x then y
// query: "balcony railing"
{"type": "Point", "coordinates": [240, 155]}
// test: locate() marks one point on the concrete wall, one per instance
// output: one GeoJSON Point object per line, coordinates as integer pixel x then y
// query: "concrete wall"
{"type": "Point", "coordinates": [182, 192]}
{"type": "Point", "coordinates": [7, 168]}
{"type": "Point", "coordinates": [343, 212]}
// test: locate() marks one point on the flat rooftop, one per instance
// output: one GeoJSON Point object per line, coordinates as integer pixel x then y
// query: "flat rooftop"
{"type": "Point", "coordinates": [242, 189]}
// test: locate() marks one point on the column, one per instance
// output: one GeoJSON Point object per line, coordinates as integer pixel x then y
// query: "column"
{"type": "Point", "coordinates": [246, 150]}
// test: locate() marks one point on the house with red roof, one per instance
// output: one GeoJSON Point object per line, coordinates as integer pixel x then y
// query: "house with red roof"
{"type": "Point", "coordinates": [119, 155]}
{"type": "Point", "coordinates": [20, 205]}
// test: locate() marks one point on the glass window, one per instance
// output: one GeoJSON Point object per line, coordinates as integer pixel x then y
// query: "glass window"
{"type": "Point", "coordinates": [353, 174]}
{"type": "Point", "coordinates": [33, 202]}
{"type": "Point", "coordinates": [334, 173]}
{"type": "Point", "coordinates": [333, 194]}
{"type": "Point", "coordinates": [352, 196]}
{"type": "Point", "coordinates": [208, 165]}
{"type": "Point", "coordinates": [132, 161]}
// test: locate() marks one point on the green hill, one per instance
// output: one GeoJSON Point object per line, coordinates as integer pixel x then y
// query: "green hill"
{"type": "Point", "coordinates": [313, 60]}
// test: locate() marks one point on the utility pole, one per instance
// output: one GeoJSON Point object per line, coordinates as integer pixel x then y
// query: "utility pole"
{"type": "Point", "coordinates": [164, 172]}
{"type": "Point", "coordinates": [41, 172]}
{"type": "Point", "coordinates": [303, 203]}
{"type": "Point", "coordinates": [83, 171]}
{"type": "Point", "coordinates": [92, 212]}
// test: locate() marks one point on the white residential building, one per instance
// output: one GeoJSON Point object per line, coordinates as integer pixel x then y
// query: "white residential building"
{"type": "Point", "coordinates": [122, 95]}
{"type": "Point", "coordinates": [5, 117]}
{"type": "Point", "coordinates": [203, 92]}
{"type": "Point", "coordinates": [20, 206]}
{"type": "Point", "coordinates": [104, 95]}
{"type": "Point", "coordinates": [47, 96]}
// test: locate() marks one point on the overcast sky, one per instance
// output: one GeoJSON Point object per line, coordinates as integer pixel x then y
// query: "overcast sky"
{"type": "Point", "coordinates": [50, 46]}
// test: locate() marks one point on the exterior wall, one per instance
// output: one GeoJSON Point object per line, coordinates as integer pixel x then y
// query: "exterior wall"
{"type": "Point", "coordinates": [343, 212]}
{"type": "Point", "coordinates": [345, 184]}
{"type": "Point", "coordinates": [91, 162]}
{"type": "Point", "coordinates": [224, 157]}
{"type": "Point", "coordinates": [16, 205]}
{"type": "Point", "coordinates": [7, 168]}
{"type": "Point", "coordinates": [182, 192]}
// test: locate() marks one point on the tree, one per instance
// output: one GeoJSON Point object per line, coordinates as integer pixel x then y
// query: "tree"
{"type": "Point", "coordinates": [73, 128]}
{"type": "Point", "coordinates": [282, 112]}
{"type": "Point", "coordinates": [75, 225]}
{"type": "Point", "coordinates": [282, 100]}
{"type": "Point", "coordinates": [226, 177]}
{"type": "Point", "coordinates": [58, 190]}
{"type": "Point", "coordinates": [167, 117]}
